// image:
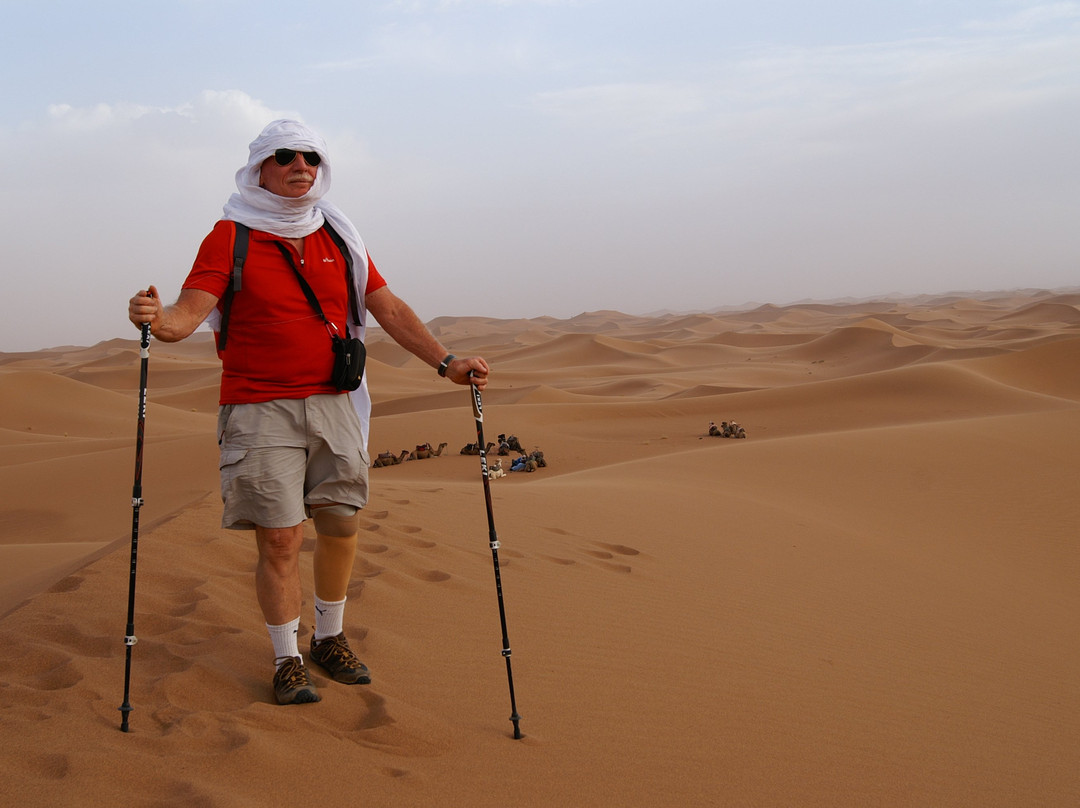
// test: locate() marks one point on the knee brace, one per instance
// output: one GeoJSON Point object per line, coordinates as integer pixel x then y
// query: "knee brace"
{"type": "Point", "coordinates": [336, 520]}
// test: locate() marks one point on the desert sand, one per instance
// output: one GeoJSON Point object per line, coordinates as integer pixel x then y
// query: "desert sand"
{"type": "Point", "coordinates": [872, 600]}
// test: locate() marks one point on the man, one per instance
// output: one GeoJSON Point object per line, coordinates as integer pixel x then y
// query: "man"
{"type": "Point", "coordinates": [292, 444]}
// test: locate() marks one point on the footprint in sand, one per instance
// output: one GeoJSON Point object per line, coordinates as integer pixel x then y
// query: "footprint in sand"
{"type": "Point", "coordinates": [421, 544]}
{"type": "Point", "coordinates": [561, 561]}
{"type": "Point", "coordinates": [54, 672]}
{"type": "Point", "coordinates": [364, 710]}
{"type": "Point", "coordinates": [431, 576]}
{"type": "Point", "coordinates": [187, 603]}
{"type": "Point", "coordinates": [182, 793]}
{"type": "Point", "coordinates": [621, 549]}
{"type": "Point", "coordinates": [69, 584]}
{"type": "Point", "coordinates": [356, 586]}
{"type": "Point", "coordinates": [74, 638]}
{"type": "Point", "coordinates": [372, 548]}
{"type": "Point", "coordinates": [607, 555]}
{"type": "Point", "coordinates": [214, 735]}
{"type": "Point", "coordinates": [48, 766]}
{"type": "Point", "coordinates": [365, 569]}
{"type": "Point", "coordinates": [182, 594]}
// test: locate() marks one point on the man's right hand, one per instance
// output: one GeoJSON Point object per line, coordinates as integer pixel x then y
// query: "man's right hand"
{"type": "Point", "coordinates": [145, 307]}
{"type": "Point", "coordinates": [171, 323]}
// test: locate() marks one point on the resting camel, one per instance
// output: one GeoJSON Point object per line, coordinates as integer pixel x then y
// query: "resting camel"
{"type": "Point", "coordinates": [510, 444]}
{"type": "Point", "coordinates": [735, 431]}
{"type": "Point", "coordinates": [535, 461]}
{"type": "Point", "coordinates": [424, 451]}
{"type": "Point", "coordinates": [726, 430]}
{"type": "Point", "coordinates": [390, 459]}
{"type": "Point", "coordinates": [474, 448]}
{"type": "Point", "coordinates": [495, 471]}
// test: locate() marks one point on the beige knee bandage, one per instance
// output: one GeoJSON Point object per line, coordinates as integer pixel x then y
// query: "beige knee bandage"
{"type": "Point", "coordinates": [336, 520]}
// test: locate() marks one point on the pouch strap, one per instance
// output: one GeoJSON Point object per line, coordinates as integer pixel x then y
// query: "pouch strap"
{"type": "Point", "coordinates": [308, 293]}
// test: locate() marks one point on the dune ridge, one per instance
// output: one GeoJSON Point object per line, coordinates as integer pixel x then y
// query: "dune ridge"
{"type": "Point", "coordinates": [871, 600]}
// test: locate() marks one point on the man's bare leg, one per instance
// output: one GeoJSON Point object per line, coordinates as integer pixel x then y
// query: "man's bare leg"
{"type": "Point", "coordinates": [277, 574]}
{"type": "Point", "coordinates": [277, 587]}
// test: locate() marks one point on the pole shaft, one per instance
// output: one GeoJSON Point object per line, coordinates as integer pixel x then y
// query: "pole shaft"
{"type": "Point", "coordinates": [136, 504]}
{"type": "Point", "coordinates": [493, 540]}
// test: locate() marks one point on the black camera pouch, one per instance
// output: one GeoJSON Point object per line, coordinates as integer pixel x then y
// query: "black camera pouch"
{"type": "Point", "coordinates": [349, 357]}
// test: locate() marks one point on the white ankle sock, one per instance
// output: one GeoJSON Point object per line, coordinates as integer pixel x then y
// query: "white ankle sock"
{"type": "Point", "coordinates": [329, 616]}
{"type": "Point", "coordinates": [284, 639]}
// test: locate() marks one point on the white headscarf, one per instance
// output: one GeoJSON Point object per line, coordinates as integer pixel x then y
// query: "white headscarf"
{"type": "Point", "coordinates": [297, 217]}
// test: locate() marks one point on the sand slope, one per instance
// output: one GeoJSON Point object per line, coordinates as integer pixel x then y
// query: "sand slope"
{"type": "Point", "coordinates": [872, 600]}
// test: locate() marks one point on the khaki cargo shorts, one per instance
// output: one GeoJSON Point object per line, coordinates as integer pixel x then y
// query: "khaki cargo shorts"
{"type": "Point", "coordinates": [279, 457]}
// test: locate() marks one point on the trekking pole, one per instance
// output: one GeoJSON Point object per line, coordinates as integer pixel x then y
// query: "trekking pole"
{"type": "Point", "coordinates": [478, 413]}
{"type": "Point", "coordinates": [136, 503]}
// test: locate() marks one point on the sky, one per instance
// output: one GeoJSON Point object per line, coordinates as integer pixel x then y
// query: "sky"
{"type": "Point", "coordinates": [529, 158]}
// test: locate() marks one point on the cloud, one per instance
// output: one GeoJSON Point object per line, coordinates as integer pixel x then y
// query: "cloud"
{"type": "Point", "coordinates": [803, 95]}
{"type": "Point", "coordinates": [112, 197]}
{"type": "Point", "coordinates": [626, 106]}
{"type": "Point", "coordinates": [1027, 19]}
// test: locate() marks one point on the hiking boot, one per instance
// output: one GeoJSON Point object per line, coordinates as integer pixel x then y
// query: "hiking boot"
{"type": "Point", "coordinates": [334, 654]}
{"type": "Point", "coordinates": [292, 685]}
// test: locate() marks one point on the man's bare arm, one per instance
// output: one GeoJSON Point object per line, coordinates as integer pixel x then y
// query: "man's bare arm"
{"type": "Point", "coordinates": [403, 325]}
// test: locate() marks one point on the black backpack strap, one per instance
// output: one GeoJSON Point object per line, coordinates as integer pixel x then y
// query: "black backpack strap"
{"type": "Point", "coordinates": [240, 248]}
{"type": "Point", "coordinates": [354, 304]}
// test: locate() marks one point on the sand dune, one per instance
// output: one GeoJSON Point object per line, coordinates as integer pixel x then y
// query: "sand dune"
{"type": "Point", "coordinates": [871, 600]}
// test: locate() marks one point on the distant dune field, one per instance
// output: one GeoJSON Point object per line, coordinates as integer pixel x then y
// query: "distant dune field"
{"type": "Point", "coordinates": [871, 600]}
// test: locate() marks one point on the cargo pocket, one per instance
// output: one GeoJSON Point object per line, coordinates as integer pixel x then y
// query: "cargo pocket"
{"type": "Point", "coordinates": [229, 463]}
{"type": "Point", "coordinates": [230, 457]}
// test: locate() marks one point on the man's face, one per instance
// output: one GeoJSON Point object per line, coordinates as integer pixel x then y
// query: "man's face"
{"type": "Point", "coordinates": [292, 180]}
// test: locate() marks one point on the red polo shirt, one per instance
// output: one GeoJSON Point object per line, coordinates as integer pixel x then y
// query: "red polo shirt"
{"type": "Point", "coordinates": [278, 347]}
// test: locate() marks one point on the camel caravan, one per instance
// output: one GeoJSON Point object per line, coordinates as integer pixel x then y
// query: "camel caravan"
{"type": "Point", "coordinates": [727, 429]}
{"type": "Point", "coordinates": [421, 452]}
{"type": "Point", "coordinates": [525, 461]}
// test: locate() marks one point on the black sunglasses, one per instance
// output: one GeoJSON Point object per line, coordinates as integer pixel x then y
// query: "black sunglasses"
{"type": "Point", "coordinates": [285, 157]}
